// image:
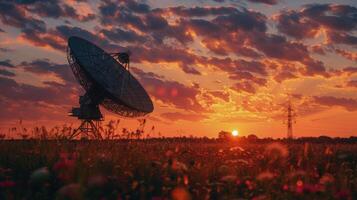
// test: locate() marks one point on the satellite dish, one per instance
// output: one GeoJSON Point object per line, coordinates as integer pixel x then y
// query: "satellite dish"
{"type": "Point", "coordinates": [108, 82]}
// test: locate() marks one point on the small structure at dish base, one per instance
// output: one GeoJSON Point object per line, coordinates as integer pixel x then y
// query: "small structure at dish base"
{"type": "Point", "coordinates": [107, 82]}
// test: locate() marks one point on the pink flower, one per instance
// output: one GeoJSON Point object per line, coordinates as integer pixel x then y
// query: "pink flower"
{"type": "Point", "coordinates": [65, 166]}
{"type": "Point", "coordinates": [7, 184]}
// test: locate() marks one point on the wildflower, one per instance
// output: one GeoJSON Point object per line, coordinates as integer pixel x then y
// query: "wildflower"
{"type": "Point", "coordinates": [7, 184]}
{"type": "Point", "coordinates": [242, 161]}
{"type": "Point", "coordinates": [328, 151]}
{"type": "Point", "coordinates": [285, 187]}
{"type": "Point", "coordinates": [326, 179]}
{"type": "Point", "coordinates": [265, 176]}
{"type": "Point", "coordinates": [185, 179]}
{"type": "Point", "coordinates": [178, 166]}
{"type": "Point", "coordinates": [65, 166]}
{"type": "Point", "coordinates": [39, 176]}
{"type": "Point", "coordinates": [180, 193]}
{"type": "Point", "coordinates": [277, 150]}
{"type": "Point", "coordinates": [343, 194]}
{"type": "Point", "coordinates": [169, 153]}
{"type": "Point", "coordinates": [236, 148]}
{"type": "Point", "coordinates": [229, 178]}
{"type": "Point", "coordinates": [249, 184]}
{"type": "Point", "coordinates": [96, 181]}
{"type": "Point", "coordinates": [260, 197]}
{"type": "Point", "coordinates": [224, 170]}
{"type": "Point", "coordinates": [72, 191]}
{"type": "Point", "coordinates": [299, 186]}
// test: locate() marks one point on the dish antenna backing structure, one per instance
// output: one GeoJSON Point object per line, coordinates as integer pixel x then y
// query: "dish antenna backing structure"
{"type": "Point", "coordinates": [107, 82]}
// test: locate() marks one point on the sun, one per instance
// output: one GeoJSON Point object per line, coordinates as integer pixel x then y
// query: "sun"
{"type": "Point", "coordinates": [235, 133]}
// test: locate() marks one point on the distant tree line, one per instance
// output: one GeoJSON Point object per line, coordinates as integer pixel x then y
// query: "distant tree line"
{"type": "Point", "coordinates": [227, 136]}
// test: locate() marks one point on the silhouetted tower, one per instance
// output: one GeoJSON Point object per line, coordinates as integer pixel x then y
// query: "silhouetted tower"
{"type": "Point", "coordinates": [290, 120]}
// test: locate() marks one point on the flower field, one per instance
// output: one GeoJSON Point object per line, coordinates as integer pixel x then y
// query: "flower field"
{"type": "Point", "coordinates": [180, 170]}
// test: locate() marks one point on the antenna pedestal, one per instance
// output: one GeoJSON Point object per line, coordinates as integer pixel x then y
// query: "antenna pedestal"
{"type": "Point", "coordinates": [90, 115]}
{"type": "Point", "coordinates": [107, 82]}
{"type": "Point", "coordinates": [88, 128]}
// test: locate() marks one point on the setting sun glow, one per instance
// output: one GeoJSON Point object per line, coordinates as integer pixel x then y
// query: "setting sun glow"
{"type": "Point", "coordinates": [235, 133]}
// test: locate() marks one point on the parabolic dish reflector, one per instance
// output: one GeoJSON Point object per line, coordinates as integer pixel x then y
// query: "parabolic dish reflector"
{"type": "Point", "coordinates": [107, 79]}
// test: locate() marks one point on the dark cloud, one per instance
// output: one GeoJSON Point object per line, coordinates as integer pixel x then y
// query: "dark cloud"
{"type": "Point", "coordinates": [342, 38]}
{"type": "Point", "coordinates": [352, 83]}
{"type": "Point", "coordinates": [153, 25]}
{"type": "Point", "coordinates": [292, 23]}
{"type": "Point", "coordinates": [187, 61]}
{"type": "Point", "coordinates": [28, 102]}
{"type": "Point", "coordinates": [348, 55]}
{"type": "Point", "coordinates": [283, 49]}
{"type": "Point", "coordinates": [350, 70]}
{"type": "Point", "coordinates": [249, 77]}
{"type": "Point", "coordinates": [46, 39]}
{"type": "Point", "coordinates": [314, 67]}
{"type": "Point", "coordinates": [170, 92]}
{"type": "Point", "coordinates": [238, 31]}
{"type": "Point", "coordinates": [220, 94]}
{"type": "Point", "coordinates": [6, 63]}
{"type": "Point", "coordinates": [5, 49]}
{"type": "Point", "coordinates": [26, 2]}
{"type": "Point", "coordinates": [239, 66]}
{"type": "Point", "coordinates": [12, 90]}
{"type": "Point", "coordinates": [65, 32]}
{"type": "Point", "coordinates": [15, 16]}
{"type": "Point", "coordinates": [337, 19]}
{"type": "Point", "coordinates": [21, 15]}
{"type": "Point", "coordinates": [251, 66]}
{"type": "Point", "coordinates": [288, 51]}
{"type": "Point", "coordinates": [44, 66]}
{"type": "Point", "coordinates": [270, 2]}
{"type": "Point", "coordinates": [119, 35]}
{"type": "Point", "coordinates": [48, 102]}
{"type": "Point", "coordinates": [110, 8]}
{"type": "Point", "coordinates": [234, 35]}
{"type": "Point", "coordinates": [318, 49]}
{"type": "Point", "coordinates": [201, 11]}
{"type": "Point", "coordinates": [284, 75]}
{"type": "Point", "coordinates": [137, 6]}
{"type": "Point", "coordinates": [190, 70]}
{"type": "Point", "coordinates": [242, 20]}
{"type": "Point", "coordinates": [114, 13]}
{"type": "Point", "coordinates": [227, 33]}
{"type": "Point", "coordinates": [245, 86]}
{"type": "Point", "coordinates": [204, 27]}
{"type": "Point", "coordinates": [55, 9]}
{"type": "Point", "coordinates": [347, 103]}
{"type": "Point", "coordinates": [50, 9]}
{"type": "Point", "coordinates": [332, 16]}
{"type": "Point", "coordinates": [57, 38]}
{"type": "Point", "coordinates": [32, 111]}
{"type": "Point", "coordinates": [5, 72]}
{"type": "Point", "coordinates": [243, 33]}
{"type": "Point", "coordinates": [224, 40]}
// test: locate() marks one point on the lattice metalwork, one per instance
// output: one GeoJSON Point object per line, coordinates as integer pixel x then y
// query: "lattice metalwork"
{"type": "Point", "coordinates": [107, 82]}
{"type": "Point", "coordinates": [120, 92]}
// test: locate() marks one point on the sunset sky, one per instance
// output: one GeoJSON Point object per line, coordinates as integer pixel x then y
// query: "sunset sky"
{"type": "Point", "coordinates": [207, 65]}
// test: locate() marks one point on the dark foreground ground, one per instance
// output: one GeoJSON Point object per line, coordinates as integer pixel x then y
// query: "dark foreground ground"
{"type": "Point", "coordinates": [164, 169]}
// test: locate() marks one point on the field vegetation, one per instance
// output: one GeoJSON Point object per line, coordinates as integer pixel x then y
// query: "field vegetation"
{"type": "Point", "coordinates": [51, 166]}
